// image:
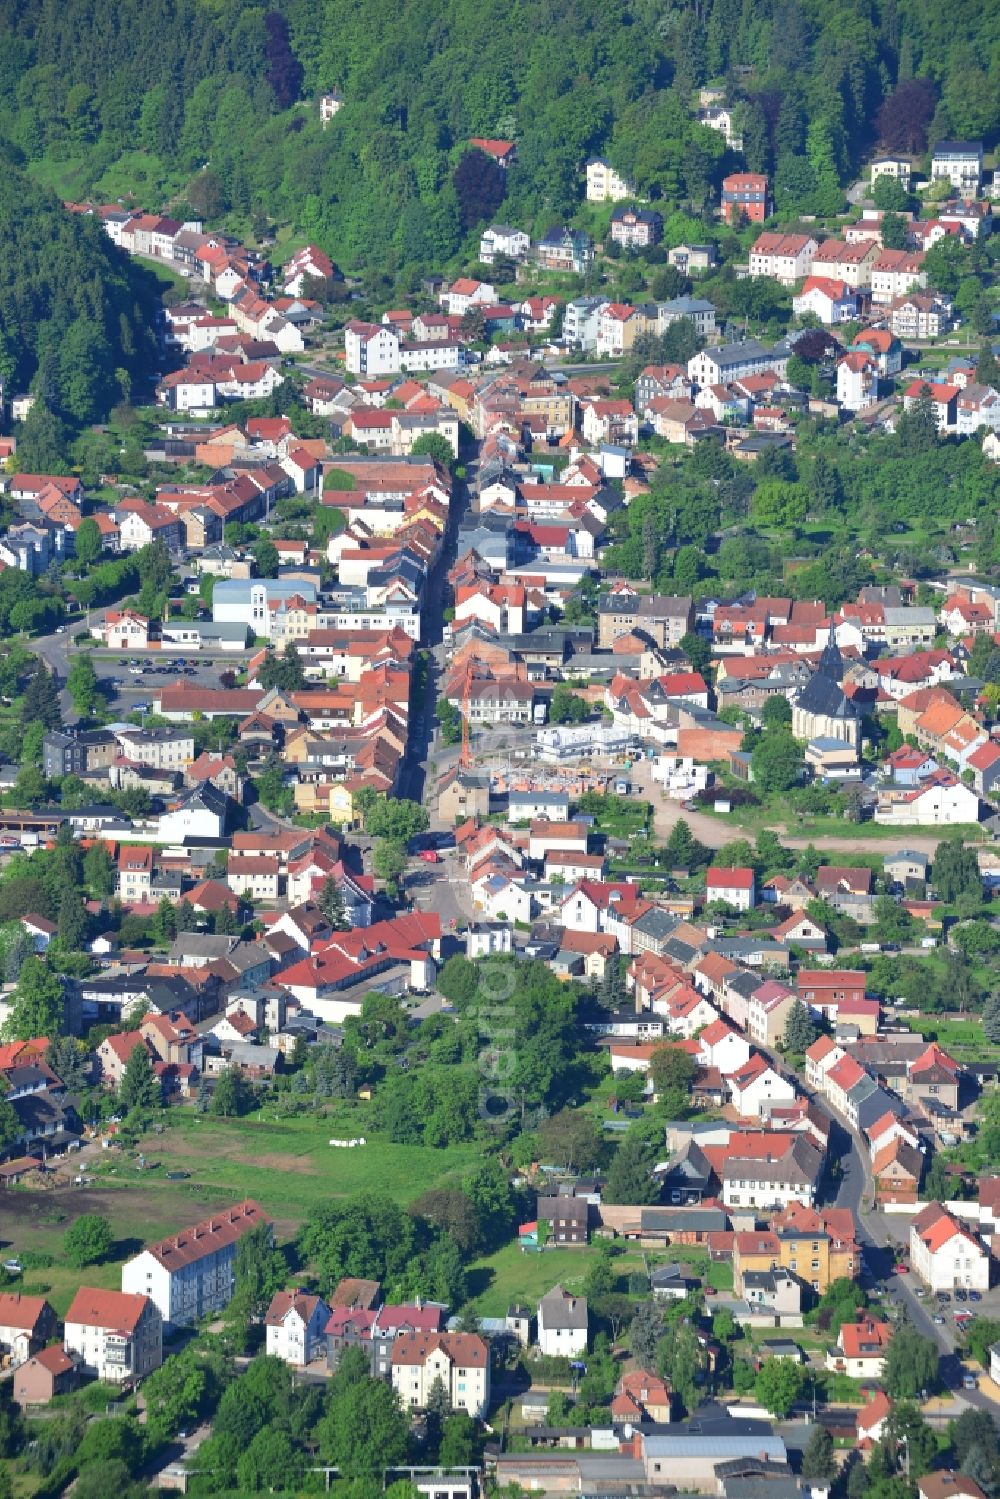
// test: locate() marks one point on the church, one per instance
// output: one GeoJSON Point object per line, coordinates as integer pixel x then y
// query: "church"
{"type": "Point", "coordinates": [822, 709]}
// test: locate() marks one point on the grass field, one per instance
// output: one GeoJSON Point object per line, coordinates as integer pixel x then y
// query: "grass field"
{"type": "Point", "coordinates": [287, 1166]}
{"type": "Point", "coordinates": [958, 1035]}
{"type": "Point", "coordinates": [511, 1275]}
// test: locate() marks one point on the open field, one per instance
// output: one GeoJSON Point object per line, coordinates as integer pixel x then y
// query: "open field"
{"type": "Point", "coordinates": [287, 1166]}
{"type": "Point", "coordinates": [959, 1035]}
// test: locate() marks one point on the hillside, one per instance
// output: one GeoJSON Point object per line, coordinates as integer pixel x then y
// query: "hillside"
{"type": "Point", "coordinates": [75, 313]}
{"type": "Point", "coordinates": [215, 104]}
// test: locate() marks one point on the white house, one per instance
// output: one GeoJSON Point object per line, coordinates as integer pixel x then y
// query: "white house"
{"type": "Point", "coordinates": [117, 1336]}
{"type": "Point", "coordinates": [201, 813]}
{"type": "Point", "coordinates": [960, 163]}
{"type": "Point", "coordinates": [756, 1088]}
{"type": "Point", "coordinates": [296, 1327]}
{"type": "Point", "coordinates": [604, 184]}
{"type": "Point", "coordinates": [460, 1360]}
{"type": "Point", "coordinates": [941, 801]}
{"type": "Point", "coordinates": [857, 381]}
{"type": "Point", "coordinates": [861, 1349]}
{"type": "Point", "coordinates": [501, 239]}
{"type": "Point", "coordinates": [946, 1253]}
{"type": "Point", "coordinates": [734, 886]}
{"type": "Point", "coordinates": [483, 938]}
{"type": "Point", "coordinates": [126, 630]}
{"type": "Point", "coordinates": [896, 167]}
{"type": "Point", "coordinates": [723, 1047]}
{"type": "Point", "coordinates": [192, 1272]}
{"type": "Point", "coordinates": [371, 349]}
{"type": "Point", "coordinates": [785, 257]}
{"type": "Point", "coordinates": [830, 300]}
{"type": "Point", "coordinates": [562, 1324]}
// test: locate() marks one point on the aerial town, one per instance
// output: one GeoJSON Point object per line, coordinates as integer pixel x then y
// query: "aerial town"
{"type": "Point", "coordinates": [499, 821]}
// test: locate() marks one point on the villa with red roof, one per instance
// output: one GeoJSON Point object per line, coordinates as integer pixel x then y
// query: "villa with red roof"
{"type": "Point", "coordinates": [733, 886]}
{"type": "Point", "coordinates": [861, 1349]}
{"type": "Point", "coordinates": [945, 1253]}
{"type": "Point", "coordinates": [116, 1336]}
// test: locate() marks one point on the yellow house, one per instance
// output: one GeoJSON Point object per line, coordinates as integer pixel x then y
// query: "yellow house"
{"type": "Point", "coordinates": [818, 1247]}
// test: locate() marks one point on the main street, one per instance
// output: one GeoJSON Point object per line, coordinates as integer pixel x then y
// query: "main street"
{"type": "Point", "coordinates": [881, 1236]}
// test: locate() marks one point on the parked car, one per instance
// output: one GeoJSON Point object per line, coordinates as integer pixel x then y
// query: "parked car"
{"type": "Point", "coordinates": [12, 1266]}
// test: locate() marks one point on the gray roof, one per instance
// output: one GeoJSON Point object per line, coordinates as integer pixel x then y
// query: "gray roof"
{"type": "Point", "coordinates": [801, 1163]}
{"type": "Point", "coordinates": [237, 592]}
{"type": "Point", "coordinates": [686, 306]}
{"type": "Point", "coordinates": [559, 1309]}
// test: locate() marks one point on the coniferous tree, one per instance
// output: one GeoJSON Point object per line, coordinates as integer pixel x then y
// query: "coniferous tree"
{"type": "Point", "coordinates": [40, 703]}
{"type": "Point", "coordinates": [139, 1087]}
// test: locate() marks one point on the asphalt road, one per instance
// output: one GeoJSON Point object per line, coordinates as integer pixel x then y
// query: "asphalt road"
{"type": "Point", "coordinates": [880, 1247]}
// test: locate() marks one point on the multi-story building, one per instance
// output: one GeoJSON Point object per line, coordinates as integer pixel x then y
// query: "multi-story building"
{"type": "Point", "coordinates": [723, 363]}
{"type": "Point", "coordinates": [850, 263]}
{"type": "Point", "coordinates": [817, 1245]}
{"type": "Point", "coordinates": [501, 239]}
{"type": "Point", "coordinates": [960, 163]}
{"type": "Point", "coordinates": [160, 748]}
{"type": "Point", "coordinates": [296, 1327]}
{"type": "Point", "coordinates": [946, 1253]}
{"type": "Point", "coordinates": [920, 314]}
{"type": "Point", "coordinates": [460, 1360]}
{"type": "Point", "coordinates": [26, 1325]}
{"type": "Point", "coordinates": [695, 309]}
{"type": "Point", "coordinates": [895, 167]}
{"type": "Point", "coordinates": [665, 618]}
{"type": "Point", "coordinates": [371, 349]}
{"type": "Point", "coordinates": [604, 184]}
{"type": "Point", "coordinates": [75, 752]}
{"type": "Point", "coordinates": [771, 1171]}
{"type": "Point", "coordinates": [562, 1323]}
{"type": "Point", "coordinates": [894, 273]}
{"type": "Point", "coordinates": [785, 257]}
{"type": "Point", "coordinates": [636, 228]}
{"type": "Point", "coordinates": [135, 873]}
{"type": "Point", "coordinates": [192, 1273]}
{"type": "Point", "coordinates": [115, 1335]}
{"type": "Point", "coordinates": [745, 198]}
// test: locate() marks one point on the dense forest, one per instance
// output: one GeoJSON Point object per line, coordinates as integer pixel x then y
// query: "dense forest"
{"type": "Point", "coordinates": [214, 100]}
{"type": "Point", "coordinates": [76, 315]}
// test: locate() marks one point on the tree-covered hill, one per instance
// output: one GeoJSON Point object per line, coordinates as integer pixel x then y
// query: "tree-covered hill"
{"type": "Point", "coordinates": [76, 316]}
{"type": "Point", "coordinates": [220, 96]}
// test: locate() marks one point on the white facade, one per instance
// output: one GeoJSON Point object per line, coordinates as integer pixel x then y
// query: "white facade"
{"type": "Point", "coordinates": [123, 1346]}
{"type": "Point", "coordinates": [371, 349]}
{"type": "Point", "coordinates": [461, 1362]}
{"type": "Point", "coordinates": [766, 1091]}
{"type": "Point", "coordinates": [202, 1279]}
{"type": "Point", "coordinates": [786, 257]}
{"type": "Point", "coordinates": [857, 383]}
{"type": "Point", "coordinates": [299, 1337]}
{"type": "Point", "coordinates": [562, 1324]}
{"type": "Point", "coordinates": [500, 239]}
{"type": "Point", "coordinates": [604, 184]}
{"type": "Point", "coordinates": [960, 163]}
{"type": "Point", "coordinates": [959, 1261]}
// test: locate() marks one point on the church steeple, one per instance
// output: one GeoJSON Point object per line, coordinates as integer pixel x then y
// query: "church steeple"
{"type": "Point", "coordinates": [831, 662]}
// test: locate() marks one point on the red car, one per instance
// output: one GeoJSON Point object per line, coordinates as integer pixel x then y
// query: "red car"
{"type": "Point", "coordinates": [901, 1269]}
{"type": "Point", "coordinates": [430, 856]}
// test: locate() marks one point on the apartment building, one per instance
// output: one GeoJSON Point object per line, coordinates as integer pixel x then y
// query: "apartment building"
{"type": "Point", "coordinates": [192, 1272]}
{"type": "Point", "coordinates": [115, 1335]}
{"type": "Point", "coordinates": [461, 1361]}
